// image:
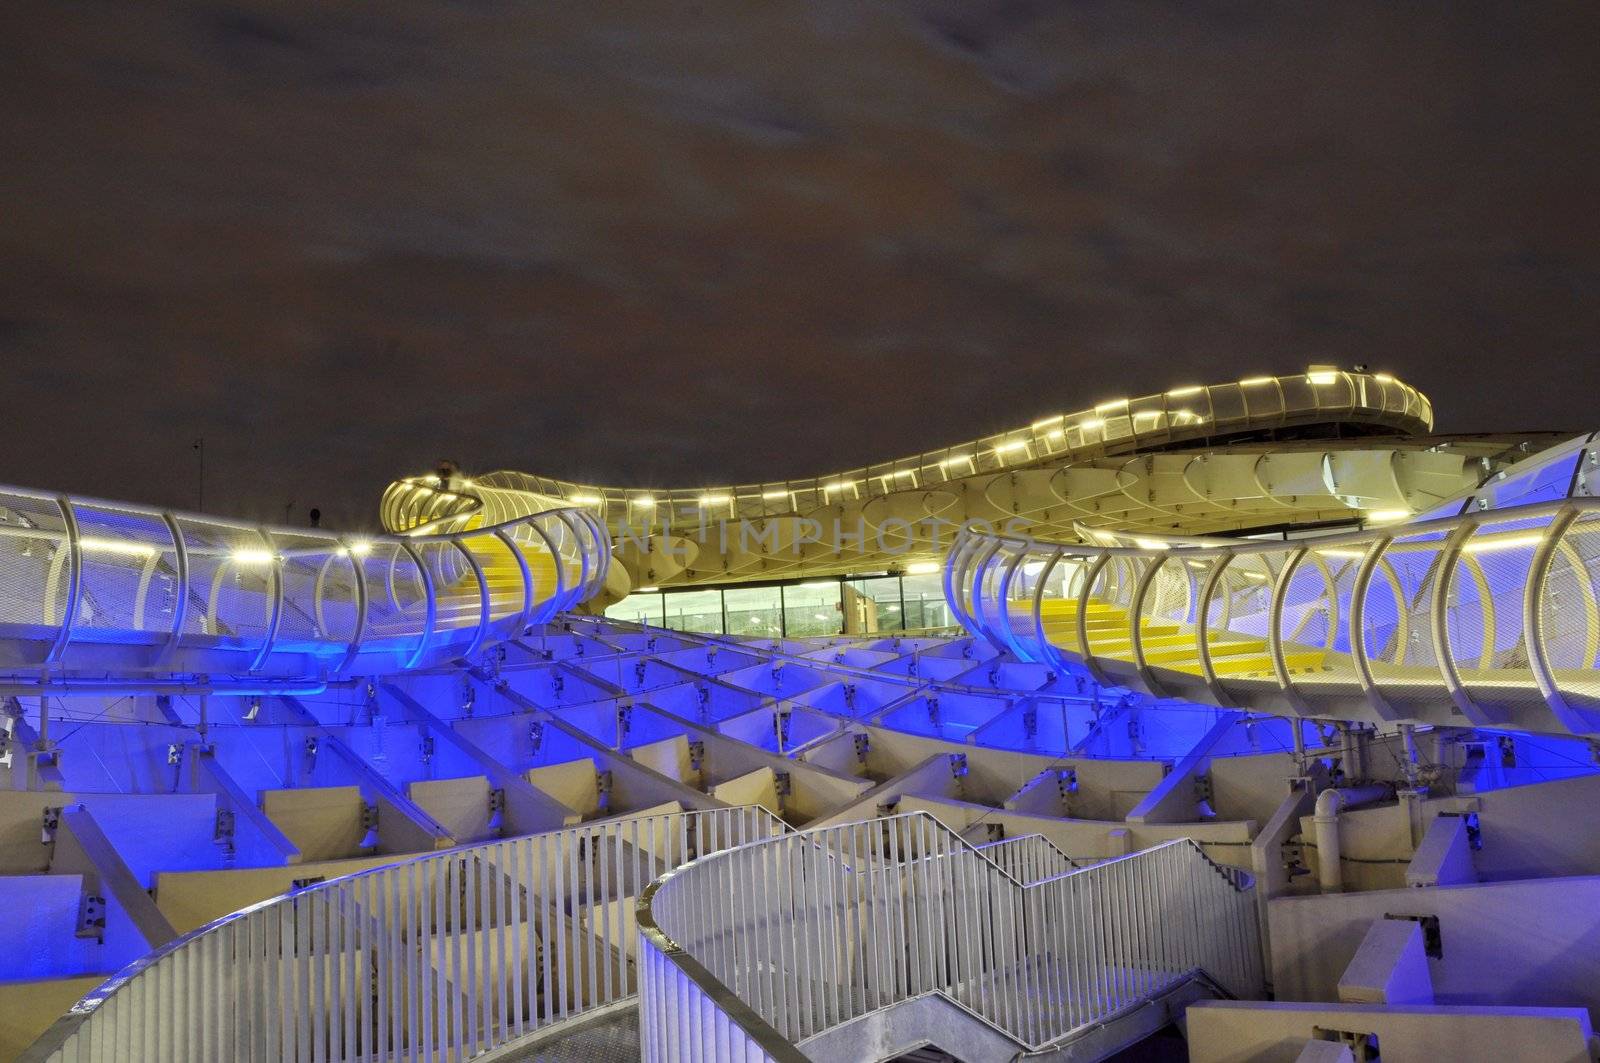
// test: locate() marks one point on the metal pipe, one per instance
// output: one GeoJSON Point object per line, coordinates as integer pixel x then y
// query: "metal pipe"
{"type": "Point", "coordinates": [1325, 822]}
{"type": "Point", "coordinates": [1408, 739]}
{"type": "Point", "coordinates": [125, 687]}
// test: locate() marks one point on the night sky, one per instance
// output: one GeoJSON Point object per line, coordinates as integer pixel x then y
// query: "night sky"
{"type": "Point", "coordinates": [677, 244]}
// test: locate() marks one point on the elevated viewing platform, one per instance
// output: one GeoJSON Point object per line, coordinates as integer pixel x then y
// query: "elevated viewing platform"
{"type": "Point", "coordinates": [1325, 446]}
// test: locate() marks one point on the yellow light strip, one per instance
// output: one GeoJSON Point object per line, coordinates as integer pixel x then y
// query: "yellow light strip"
{"type": "Point", "coordinates": [1510, 542]}
{"type": "Point", "coordinates": [117, 546]}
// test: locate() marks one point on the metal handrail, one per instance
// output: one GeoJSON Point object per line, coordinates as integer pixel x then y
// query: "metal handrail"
{"type": "Point", "coordinates": [1400, 634]}
{"type": "Point", "coordinates": [438, 957]}
{"type": "Point", "coordinates": [815, 929]}
{"type": "Point", "coordinates": [271, 601]}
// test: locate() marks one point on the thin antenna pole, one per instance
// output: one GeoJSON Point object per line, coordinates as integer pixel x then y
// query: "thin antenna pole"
{"type": "Point", "coordinates": [200, 445]}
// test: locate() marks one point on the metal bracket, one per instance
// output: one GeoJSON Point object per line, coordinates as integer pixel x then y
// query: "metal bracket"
{"type": "Point", "coordinates": [497, 802]}
{"type": "Point", "coordinates": [958, 765]}
{"type": "Point", "coordinates": [1363, 1046]}
{"type": "Point", "coordinates": [1067, 781]}
{"type": "Point", "coordinates": [1293, 855]}
{"type": "Point", "coordinates": [369, 817]}
{"type": "Point", "coordinates": [697, 754]}
{"type": "Point", "coordinates": [91, 916]}
{"type": "Point", "coordinates": [863, 744]}
{"type": "Point", "coordinates": [1030, 721]}
{"type": "Point", "coordinates": [1432, 939]}
{"type": "Point", "coordinates": [783, 782]}
{"type": "Point", "coordinates": [50, 821]}
{"type": "Point", "coordinates": [1202, 788]}
{"type": "Point", "coordinates": [1474, 828]}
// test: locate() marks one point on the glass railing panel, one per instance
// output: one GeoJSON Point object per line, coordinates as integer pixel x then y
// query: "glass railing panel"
{"type": "Point", "coordinates": [1498, 555]}
{"type": "Point", "coordinates": [129, 571]}
{"type": "Point", "coordinates": [34, 560]}
{"type": "Point", "coordinates": [1569, 614]}
{"type": "Point", "coordinates": [230, 580]}
{"type": "Point", "coordinates": [320, 601]}
{"type": "Point", "coordinates": [397, 597]}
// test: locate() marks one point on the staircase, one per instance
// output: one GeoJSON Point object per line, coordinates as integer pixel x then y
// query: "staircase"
{"type": "Point", "coordinates": [1171, 646]}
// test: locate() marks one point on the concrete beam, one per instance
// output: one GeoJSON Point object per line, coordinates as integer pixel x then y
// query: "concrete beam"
{"type": "Point", "coordinates": [81, 848]}
{"type": "Point", "coordinates": [1390, 967]}
{"type": "Point", "coordinates": [403, 827]}
{"type": "Point", "coordinates": [528, 809]}
{"type": "Point", "coordinates": [1172, 801]}
{"type": "Point", "coordinates": [206, 776]}
{"type": "Point", "coordinates": [1445, 856]}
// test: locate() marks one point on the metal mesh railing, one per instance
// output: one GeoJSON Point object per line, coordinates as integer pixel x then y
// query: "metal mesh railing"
{"type": "Point", "coordinates": [439, 957]}
{"type": "Point", "coordinates": [1491, 614]}
{"type": "Point", "coordinates": [216, 595]}
{"type": "Point", "coordinates": [811, 930]}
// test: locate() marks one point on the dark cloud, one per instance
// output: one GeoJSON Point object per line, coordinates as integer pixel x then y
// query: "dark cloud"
{"type": "Point", "coordinates": [673, 245]}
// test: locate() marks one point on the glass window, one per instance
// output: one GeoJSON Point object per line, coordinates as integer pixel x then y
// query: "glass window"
{"type": "Point", "coordinates": [812, 609]}
{"type": "Point", "coordinates": [754, 611]}
{"type": "Point", "coordinates": [638, 608]}
{"type": "Point", "coordinates": [925, 604]}
{"type": "Point", "coordinates": [694, 611]}
{"type": "Point", "coordinates": [873, 605]}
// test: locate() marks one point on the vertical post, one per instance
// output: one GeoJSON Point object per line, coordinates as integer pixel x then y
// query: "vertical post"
{"type": "Point", "coordinates": [1533, 620]}
{"type": "Point", "coordinates": [432, 614]}
{"type": "Point", "coordinates": [42, 746]}
{"type": "Point", "coordinates": [74, 545]}
{"type": "Point", "coordinates": [1275, 607]}
{"type": "Point", "coordinates": [275, 613]}
{"type": "Point", "coordinates": [180, 591]}
{"type": "Point", "coordinates": [200, 446]}
{"type": "Point", "coordinates": [1358, 636]}
{"type": "Point", "coordinates": [483, 597]}
{"type": "Point", "coordinates": [358, 568]}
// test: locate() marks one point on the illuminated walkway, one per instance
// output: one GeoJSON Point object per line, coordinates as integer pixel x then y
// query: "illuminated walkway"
{"type": "Point", "coordinates": [1325, 445]}
{"type": "Point", "coordinates": [91, 588]}
{"type": "Point", "coordinates": [1481, 612]}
